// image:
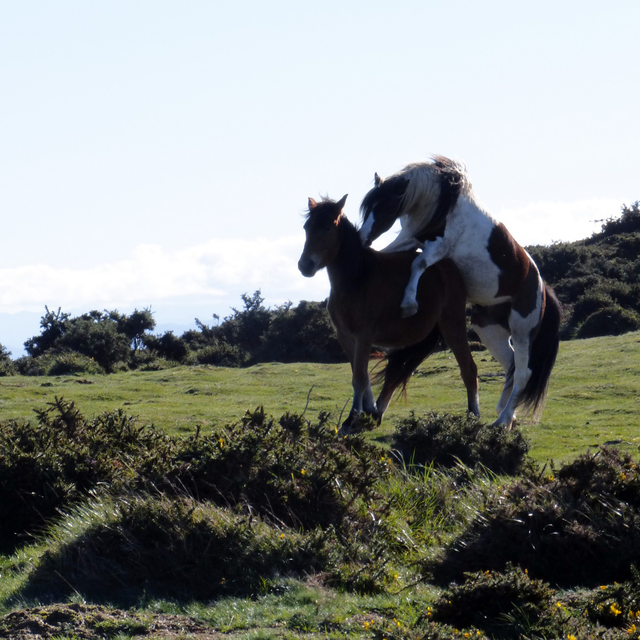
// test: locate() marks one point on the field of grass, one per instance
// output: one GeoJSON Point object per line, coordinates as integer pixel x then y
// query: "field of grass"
{"type": "Point", "coordinates": [382, 565]}
{"type": "Point", "coordinates": [594, 395]}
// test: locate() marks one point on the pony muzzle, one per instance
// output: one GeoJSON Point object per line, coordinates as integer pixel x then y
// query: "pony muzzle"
{"type": "Point", "coordinates": [307, 267]}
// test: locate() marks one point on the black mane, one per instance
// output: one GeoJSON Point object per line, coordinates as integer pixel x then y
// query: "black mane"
{"type": "Point", "coordinates": [390, 192]}
{"type": "Point", "coordinates": [451, 181]}
{"type": "Point", "coordinates": [390, 196]}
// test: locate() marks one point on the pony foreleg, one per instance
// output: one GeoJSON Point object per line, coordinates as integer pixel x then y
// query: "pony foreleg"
{"type": "Point", "coordinates": [432, 252]}
{"type": "Point", "coordinates": [362, 393]}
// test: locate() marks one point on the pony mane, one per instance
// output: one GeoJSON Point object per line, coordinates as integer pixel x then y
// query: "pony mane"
{"type": "Point", "coordinates": [319, 208]}
{"type": "Point", "coordinates": [432, 187]}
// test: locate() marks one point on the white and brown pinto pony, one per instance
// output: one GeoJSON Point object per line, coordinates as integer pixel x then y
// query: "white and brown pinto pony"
{"type": "Point", "coordinates": [516, 315]}
{"type": "Point", "coordinates": [364, 305]}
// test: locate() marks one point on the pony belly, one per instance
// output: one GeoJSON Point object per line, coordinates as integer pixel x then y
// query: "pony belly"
{"type": "Point", "coordinates": [481, 279]}
{"type": "Point", "coordinates": [467, 239]}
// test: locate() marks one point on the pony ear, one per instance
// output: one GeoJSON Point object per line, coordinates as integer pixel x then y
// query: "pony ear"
{"type": "Point", "coordinates": [312, 204]}
{"type": "Point", "coordinates": [377, 180]}
{"type": "Point", "coordinates": [340, 203]}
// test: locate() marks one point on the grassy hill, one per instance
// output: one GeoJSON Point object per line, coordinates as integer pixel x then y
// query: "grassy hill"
{"type": "Point", "coordinates": [215, 524]}
{"type": "Point", "coordinates": [594, 395]}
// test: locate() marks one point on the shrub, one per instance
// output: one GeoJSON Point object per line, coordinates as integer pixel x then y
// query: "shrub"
{"type": "Point", "coordinates": [61, 458]}
{"type": "Point", "coordinates": [290, 472]}
{"type": "Point", "coordinates": [167, 346]}
{"type": "Point", "coordinates": [168, 548]}
{"type": "Point", "coordinates": [579, 527]}
{"type": "Point", "coordinates": [295, 472]}
{"type": "Point", "coordinates": [494, 602]}
{"type": "Point", "coordinates": [444, 439]}
{"type": "Point", "coordinates": [222, 355]}
{"type": "Point", "coordinates": [627, 222]}
{"type": "Point", "coordinates": [612, 320]}
{"type": "Point", "coordinates": [7, 367]}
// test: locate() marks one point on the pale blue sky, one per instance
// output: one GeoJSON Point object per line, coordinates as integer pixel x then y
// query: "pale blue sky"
{"type": "Point", "coordinates": [200, 128]}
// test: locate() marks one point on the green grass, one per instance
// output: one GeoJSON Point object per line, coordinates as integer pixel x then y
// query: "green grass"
{"type": "Point", "coordinates": [594, 398]}
{"type": "Point", "coordinates": [594, 395]}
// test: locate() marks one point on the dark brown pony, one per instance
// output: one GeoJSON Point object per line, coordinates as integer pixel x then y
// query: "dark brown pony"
{"type": "Point", "coordinates": [364, 305]}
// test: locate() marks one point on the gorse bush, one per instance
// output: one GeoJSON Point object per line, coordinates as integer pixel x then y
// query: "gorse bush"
{"type": "Point", "coordinates": [596, 279]}
{"type": "Point", "coordinates": [577, 527]}
{"type": "Point", "coordinates": [63, 456]}
{"type": "Point", "coordinates": [494, 602]}
{"type": "Point", "coordinates": [174, 548]}
{"type": "Point", "coordinates": [124, 514]}
{"type": "Point", "coordinates": [291, 472]}
{"type": "Point", "coordinates": [109, 341]}
{"type": "Point", "coordinates": [446, 440]}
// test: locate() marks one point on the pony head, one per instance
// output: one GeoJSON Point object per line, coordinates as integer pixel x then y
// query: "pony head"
{"type": "Point", "coordinates": [381, 207]}
{"type": "Point", "coordinates": [322, 239]}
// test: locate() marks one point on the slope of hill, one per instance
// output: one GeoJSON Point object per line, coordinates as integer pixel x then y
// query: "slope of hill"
{"type": "Point", "coordinates": [597, 279]}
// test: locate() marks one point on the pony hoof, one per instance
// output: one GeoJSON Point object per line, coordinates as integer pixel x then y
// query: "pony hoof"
{"type": "Point", "coordinates": [406, 311]}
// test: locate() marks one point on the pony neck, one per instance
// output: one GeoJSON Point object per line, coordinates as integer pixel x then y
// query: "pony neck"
{"type": "Point", "coordinates": [349, 266]}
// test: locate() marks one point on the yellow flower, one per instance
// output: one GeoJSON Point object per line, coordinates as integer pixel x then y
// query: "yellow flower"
{"type": "Point", "coordinates": [614, 609]}
{"type": "Point", "coordinates": [221, 443]}
{"type": "Point", "coordinates": [302, 471]}
{"type": "Point", "coordinates": [571, 637]}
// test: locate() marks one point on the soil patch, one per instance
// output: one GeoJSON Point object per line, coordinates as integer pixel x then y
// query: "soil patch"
{"type": "Point", "coordinates": [92, 622]}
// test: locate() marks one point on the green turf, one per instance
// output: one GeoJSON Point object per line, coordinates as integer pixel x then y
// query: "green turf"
{"type": "Point", "coordinates": [594, 395]}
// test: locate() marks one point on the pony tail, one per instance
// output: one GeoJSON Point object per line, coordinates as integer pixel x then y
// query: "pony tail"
{"type": "Point", "coordinates": [543, 353]}
{"type": "Point", "coordinates": [401, 363]}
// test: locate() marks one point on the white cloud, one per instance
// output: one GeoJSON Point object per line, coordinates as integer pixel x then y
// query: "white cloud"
{"type": "Point", "coordinates": [547, 222]}
{"type": "Point", "coordinates": [219, 270]}
{"type": "Point", "coordinates": [216, 269]}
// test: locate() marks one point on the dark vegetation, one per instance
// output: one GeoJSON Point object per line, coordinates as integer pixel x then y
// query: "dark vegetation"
{"type": "Point", "coordinates": [129, 514]}
{"type": "Point", "coordinates": [596, 279]}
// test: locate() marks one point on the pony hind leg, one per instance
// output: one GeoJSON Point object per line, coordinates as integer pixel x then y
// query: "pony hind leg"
{"type": "Point", "coordinates": [491, 325]}
{"type": "Point", "coordinates": [400, 367]}
{"type": "Point", "coordinates": [523, 330]}
{"type": "Point", "coordinates": [525, 320]}
{"type": "Point", "coordinates": [454, 330]}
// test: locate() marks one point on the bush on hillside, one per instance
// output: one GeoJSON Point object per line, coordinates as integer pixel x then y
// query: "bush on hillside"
{"type": "Point", "coordinates": [7, 367]}
{"type": "Point", "coordinates": [445, 440]}
{"type": "Point", "coordinates": [176, 548]}
{"type": "Point", "coordinates": [580, 527]}
{"type": "Point", "coordinates": [609, 321]}
{"type": "Point", "coordinates": [291, 470]}
{"type": "Point", "coordinates": [58, 364]}
{"type": "Point", "coordinates": [494, 602]}
{"type": "Point", "coordinates": [63, 456]}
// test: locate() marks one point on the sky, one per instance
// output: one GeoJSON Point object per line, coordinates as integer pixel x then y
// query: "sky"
{"type": "Point", "coordinates": [161, 154]}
